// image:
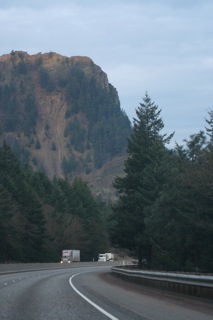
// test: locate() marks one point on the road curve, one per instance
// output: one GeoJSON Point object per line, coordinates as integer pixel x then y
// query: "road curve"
{"type": "Point", "coordinates": [90, 293]}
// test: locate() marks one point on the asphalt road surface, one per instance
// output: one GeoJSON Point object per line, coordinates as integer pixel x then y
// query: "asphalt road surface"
{"type": "Point", "coordinates": [83, 293]}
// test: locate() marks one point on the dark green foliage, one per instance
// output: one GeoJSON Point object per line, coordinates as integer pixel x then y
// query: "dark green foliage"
{"type": "Point", "coordinates": [30, 115]}
{"type": "Point", "coordinates": [83, 205]}
{"type": "Point", "coordinates": [108, 137]}
{"type": "Point", "coordinates": [164, 211]}
{"type": "Point", "coordinates": [9, 108]}
{"type": "Point", "coordinates": [53, 146]}
{"type": "Point", "coordinates": [22, 68]}
{"type": "Point", "coordinates": [47, 126]}
{"type": "Point", "coordinates": [22, 87]}
{"type": "Point", "coordinates": [39, 62]}
{"type": "Point", "coordinates": [145, 175]}
{"type": "Point", "coordinates": [68, 129]}
{"type": "Point", "coordinates": [7, 210]}
{"type": "Point", "coordinates": [77, 139]}
{"type": "Point", "coordinates": [77, 213]}
{"type": "Point", "coordinates": [15, 115]}
{"type": "Point", "coordinates": [45, 79]}
{"type": "Point", "coordinates": [22, 221]}
{"type": "Point", "coordinates": [22, 154]}
{"type": "Point", "coordinates": [186, 207]}
{"type": "Point", "coordinates": [209, 130]}
{"type": "Point", "coordinates": [69, 165]}
{"type": "Point", "coordinates": [34, 161]}
{"type": "Point", "coordinates": [108, 126]}
{"type": "Point", "coordinates": [68, 112]}
{"type": "Point", "coordinates": [37, 144]}
{"type": "Point", "coordinates": [75, 84]}
{"type": "Point", "coordinates": [39, 217]}
{"type": "Point", "coordinates": [196, 179]}
{"type": "Point", "coordinates": [77, 135]}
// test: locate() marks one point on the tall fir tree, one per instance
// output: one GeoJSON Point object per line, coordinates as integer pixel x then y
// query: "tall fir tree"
{"type": "Point", "coordinates": [145, 173]}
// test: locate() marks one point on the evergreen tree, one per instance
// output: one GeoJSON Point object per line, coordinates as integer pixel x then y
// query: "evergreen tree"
{"type": "Point", "coordinates": [145, 173]}
{"type": "Point", "coordinates": [7, 211]}
{"type": "Point", "coordinates": [197, 205]}
{"type": "Point", "coordinates": [20, 210]}
{"type": "Point", "coordinates": [181, 220]}
{"type": "Point", "coordinates": [86, 208]}
{"type": "Point", "coordinates": [209, 130]}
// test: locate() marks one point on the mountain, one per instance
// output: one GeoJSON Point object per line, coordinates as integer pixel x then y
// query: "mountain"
{"type": "Point", "coordinates": [62, 116]}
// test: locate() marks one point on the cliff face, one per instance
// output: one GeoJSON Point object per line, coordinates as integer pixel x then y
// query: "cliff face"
{"type": "Point", "coordinates": [60, 114]}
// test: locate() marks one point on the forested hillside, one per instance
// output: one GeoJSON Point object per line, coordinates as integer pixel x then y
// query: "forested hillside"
{"type": "Point", "coordinates": [40, 217]}
{"type": "Point", "coordinates": [60, 114]}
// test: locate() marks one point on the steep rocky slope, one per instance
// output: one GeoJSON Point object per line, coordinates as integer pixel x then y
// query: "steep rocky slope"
{"type": "Point", "coordinates": [62, 115]}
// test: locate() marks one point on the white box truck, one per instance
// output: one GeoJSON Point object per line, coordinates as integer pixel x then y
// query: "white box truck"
{"type": "Point", "coordinates": [70, 256]}
{"type": "Point", "coordinates": [106, 256]}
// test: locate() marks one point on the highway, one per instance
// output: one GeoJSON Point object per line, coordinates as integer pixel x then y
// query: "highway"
{"type": "Point", "coordinates": [90, 292]}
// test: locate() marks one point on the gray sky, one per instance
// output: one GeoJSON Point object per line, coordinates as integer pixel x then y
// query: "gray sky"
{"type": "Point", "coordinates": [164, 47]}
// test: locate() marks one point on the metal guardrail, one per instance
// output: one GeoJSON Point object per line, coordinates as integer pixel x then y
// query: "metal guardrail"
{"type": "Point", "coordinates": [195, 285]}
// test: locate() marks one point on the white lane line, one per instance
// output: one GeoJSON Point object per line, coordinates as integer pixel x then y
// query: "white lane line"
{"type": "Point", "coordinates": [109, 315]}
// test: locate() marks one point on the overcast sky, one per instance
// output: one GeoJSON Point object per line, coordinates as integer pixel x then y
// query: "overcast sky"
{"type": "Point", "coordinates": [164, 47]}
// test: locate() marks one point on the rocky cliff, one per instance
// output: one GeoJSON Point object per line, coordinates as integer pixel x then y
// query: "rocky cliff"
{"type": "Point", "coordinates": [61, 114]}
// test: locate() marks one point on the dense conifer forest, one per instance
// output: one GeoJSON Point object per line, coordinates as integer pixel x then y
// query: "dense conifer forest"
{"type": "Point", "coordinates": [165, 209]}
{"type": "Point", "coordinates": [40, 217]}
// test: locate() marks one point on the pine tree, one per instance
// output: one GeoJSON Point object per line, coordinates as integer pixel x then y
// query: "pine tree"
{"type": "Point", "coordinates": [85, 206]}
{"type": "Point", "coordinates": [20, 210]}
{"type": "Point", "coordinates": [197, 179]}
{"type": "Point", "coordinates": [181, 221]}
{"type": "Point", "coordinates": [145, 172]}
{"type": "Point", "coordinates": [7, 211]}
{"type": "Point", "coordinates": [209, 130]}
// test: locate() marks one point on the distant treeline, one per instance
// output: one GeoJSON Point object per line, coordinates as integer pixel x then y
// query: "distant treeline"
{"type": "Point", "coordinates": [40, 217]}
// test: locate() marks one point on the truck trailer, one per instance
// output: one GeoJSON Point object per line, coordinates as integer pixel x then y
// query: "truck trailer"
{"type": "Point", "coordinates": [108, 256]}
{"type": "Point", "coordinates": [70, 256]}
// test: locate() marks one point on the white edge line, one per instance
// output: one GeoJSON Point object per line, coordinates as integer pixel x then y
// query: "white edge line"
{"type": "Point", "coordinates": [110, 316]}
